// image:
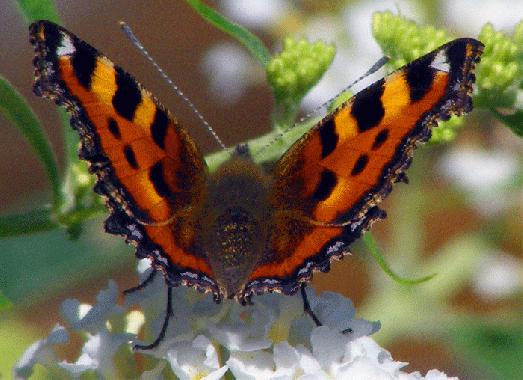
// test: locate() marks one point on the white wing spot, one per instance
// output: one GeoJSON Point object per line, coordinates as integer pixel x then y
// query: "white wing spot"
{"type": "Point", "coordinates": [66, 47]}
{"type": "Point", "coordinates": [135, 232]}
{"type": "Point", "coordinates": [335, 248]}
{"type": "Point", "coordinates": [440, 62]}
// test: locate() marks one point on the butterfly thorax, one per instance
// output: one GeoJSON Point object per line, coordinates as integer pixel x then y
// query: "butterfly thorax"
{"type": "Point", "coordinates": [234, 222]}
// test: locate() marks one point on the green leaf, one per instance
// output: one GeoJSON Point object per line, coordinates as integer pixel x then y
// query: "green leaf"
{"type": "Point", "coordinates": [373, 248]}
{"type": "Point", "coordinates": [514, 121]}
{"type": "Point", "coordinates": [32, 10]}
{"type": "Point", "coordinates": [5, 304]}
{"type": "Point", "coordinates": [70, 136]}
{"type": "Point", "coordinates": [32, 222]}
{"type": "Point", "coordinates": [246, 38]}
{"type": "Point", "coordinates": [482, 344]}
{"type": "Point", "coordinates": [17, 109]}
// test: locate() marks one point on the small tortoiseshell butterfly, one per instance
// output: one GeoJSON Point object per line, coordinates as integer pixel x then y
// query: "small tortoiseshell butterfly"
{"type": "Point", "coordinates": [241, 230]}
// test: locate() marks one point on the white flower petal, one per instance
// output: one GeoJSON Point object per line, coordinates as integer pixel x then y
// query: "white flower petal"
{"type": "Point", "coordinates": [84, 363]}
{"type": "Point", "coordinates": [482, 174]}
{"type": "Point", "coordinates": [42, 352]}
{"type": "Point", "coordinates": [97, 315]}
{"type": "Point", "coordinates": [361, 369]}
{"type": "Point", "coordinates": [300, 331]}
{"type": "Point", "coordinates": [70, 310]}
{"type": "Point", "coordinates": [245, 333]}
{"type": "Point", "coordinates": [98, 354]}
{"type": "Point", "coordinates": [211, 356]}
{"type": "Point", "coordinates": [500, 13]}
{"type": "Point", "coordinates": [328, 346]}
{"type": "Point", "coordinates": [362, 327]}
{"type": "Point", "coordinates": [228, 66]}
{"type": "Point", "coordinates": [255, 13]}
{"type": "Point", "coordinates": [58, 335]}
{"type": "Point", "coordinates": [308, 363]}
{"type": "Point", "coordinates": [216, 375]}
{"type": "Point", "coordinates": [251, 365]}
{"type": "Point", "coordinates": [434, 374]}
{"type": "Point", "coordinates": [498, 276]}
{"type": "Point", "coordinates": [332, 309]}
{"type": "Point", "coordinates": [196, 359]}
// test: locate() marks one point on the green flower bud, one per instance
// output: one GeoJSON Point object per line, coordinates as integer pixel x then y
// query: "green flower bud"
{"type": "Point", "coordinates": [79, 201]}
{"type": "Point", "coordinates": [446, 131]}
{"type": "Point", "coordinates": [295, 71]}
{"type": "Point", "coordinates": [402, 40]}
{"type": "Point", "coordinates": [500, 74]}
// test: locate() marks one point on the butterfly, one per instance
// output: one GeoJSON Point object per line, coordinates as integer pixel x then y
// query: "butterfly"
{"type": "Point", "coordinates": [242, 230]}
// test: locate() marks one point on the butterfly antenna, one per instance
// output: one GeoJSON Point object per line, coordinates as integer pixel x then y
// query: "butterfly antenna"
{"type": "Point", "coordinates": [129, 33]}
{"type": "Point", "coordinates": [378, 65]}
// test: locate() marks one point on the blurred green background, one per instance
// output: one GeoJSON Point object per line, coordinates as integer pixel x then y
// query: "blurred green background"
{"type": "Point", "coordinates": [460, 216]}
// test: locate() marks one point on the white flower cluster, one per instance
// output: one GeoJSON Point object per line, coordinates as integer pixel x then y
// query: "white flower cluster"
{"type": "Point", "coordinates": [271, 339]}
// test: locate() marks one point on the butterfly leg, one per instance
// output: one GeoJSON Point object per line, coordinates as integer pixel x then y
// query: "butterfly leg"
{"type": "Point", "coordinates": [307, 306]}
{"type": "Point", "coordinates": [308, 310]}
{"type": "Point", "coordinates": [147, 281]}
{"type": "Point", "coordinates": [248, 300]}
{"type": "Point", "coordinates": [168, 314]}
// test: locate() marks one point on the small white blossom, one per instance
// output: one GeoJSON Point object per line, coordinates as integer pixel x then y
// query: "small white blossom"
{"type": "Point", "coordinates": [98, 355]}
{"type": "Point", "coordinates": [256, 13]}
{"type": "Point", "coordinates": [271, 339]}
{"type": "Point", "coordinates": [482, 174]}
{"type": "Point", "coordinates": [498, 276]}
{"type": "Point", "coordinates": [232, 71]}
{"type": "Point", "coordinates": [243, 333]}
{"type": "Point", "coordinates": [498, 13]}
{"type": "Point", "coordinates": [195, 360]}
{"type": "Point", "coordinates": [41, 352]}
{"type": "Point", "coordinates": [92, 318]}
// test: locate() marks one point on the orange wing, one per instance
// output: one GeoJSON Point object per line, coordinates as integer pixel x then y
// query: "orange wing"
{"type": "Point", "coordinates": [147, 167]}
{"type": "Point", "coordinates": [329, 182]}
{"type": "Point", "coordinates": [326, 187]}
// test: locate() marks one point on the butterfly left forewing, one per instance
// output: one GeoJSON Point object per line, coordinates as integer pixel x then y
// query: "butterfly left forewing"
{"type": "Point", "coordinates": [147, 167]}
{"type": "Point", "coordinates": [328, 184]}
